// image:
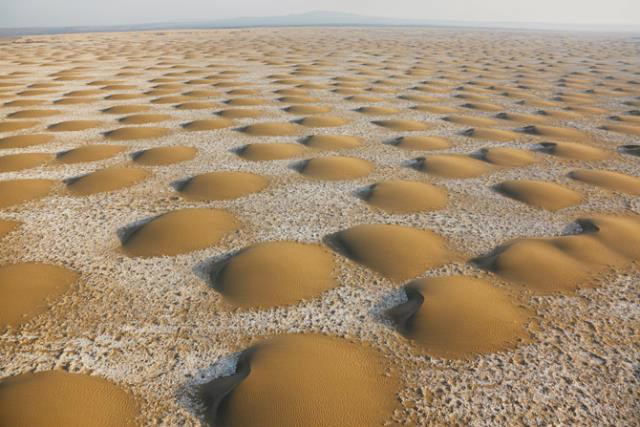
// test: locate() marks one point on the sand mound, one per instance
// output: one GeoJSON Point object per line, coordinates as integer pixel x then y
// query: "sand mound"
{"type": "Point", "coordinates": [336, 168]}
{"type": "Point", "coordinates": [126, 109]}
{"type": "Point", "coordinates": [25, 290]}
{"type": "Point", "coordinates": [422, 143]}
{"type": "Point", "coordinates": [521, 117]}
{"type": "Point", "coordinates": [435, 109]}
{"type": "Point", "coordinates": [89, 153]}
{"type": "Point", "coordinates": [333, 142]}
{"type": "Point", "coordinates": [483, 106]}
{"type": "Point", "coordinates": [240, 113]}
{"type": "Point", "coordinates": [59, 398]}
{"type": "Point", "coordinates": [275, 273]}
{"type": "Point", "coordinates": [574, 151]}
{"type": "Point", "coordinates": [541, 194]}
{"type": "Point", "coordinates": [245, 102]}
{"type": "Point", "coordinates": [196, 105]}
{"type": "Point", "coordinates": [561, 133]}
{"type": "Point", "coordinates": [23, 190]}
{"type": "Point", "coordinates": [491, 134]}
{"type": "Point", "coordinates": [24, 103]}
{"type": "Point", "coordinates": [610, 180]}
{"type": "Point", "coordinates": [75, 125]}
{"type": "Point", "coordinates": [402, 125]}
{"type": "Point", "coordinates": [131, 133]}
{"type": "Point", "coordinates": [180, 231]}
{"type": "Point", "coordinates": [207, 124]}
{"type": "Point", "coordinates": [21, 141]}
{"type": "Point", "coordinates": [626, 129]}
{"type": "Point", "coordinates": [223, 185]}
{"type": "Point", "coordinates": [504, 156]}
{"type": "Point", "coordinates": [323, 121]}
{"type": "Point", "coordinates": [396, 252]}
{"type": "Point", "coordinates": [160, 156]}
{"type": "Point", "coordinates": [307, 109]}
{"type": "Point", "coordinates": [32, 114]}
{"type": "Point", "coordinates": [378, 111]}
{"type": "Point", "coordinates": [560, 114]}
{"type": "Point", "coordinates": [104, 180]}
{"type": "Point", "coordinates": [562, 264]}
{"type": "Point", "coordinates": [16, 162]}
{"type": "Point", "coordinates": [140, 119]}
{"type": "Point", "coordinates": [310, 380]}
{"type": "Point", "coordinates": [7, 226]}
{"type": "Point", "coordinates": [270, 129]}
{"type": "Point", "coordinates": [458, 317]}
{"type": "Point", "coordinates": [275, 151]}
{"type": "Point", "coordinates": [406, 196]}
{"type": "Point", "coordinates": [454, 166]}
{"type": "Point", "coordinates": [482, 122]}
{"type": "Point", "coordinates": [11, 126]}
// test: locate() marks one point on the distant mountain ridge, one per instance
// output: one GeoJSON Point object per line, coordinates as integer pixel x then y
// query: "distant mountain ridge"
{"type": "Point", "coordinates": [314, 19]}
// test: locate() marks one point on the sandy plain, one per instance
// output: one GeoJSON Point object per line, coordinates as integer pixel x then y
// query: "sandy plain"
{"type": "Point", "coordinates": [305, 227]}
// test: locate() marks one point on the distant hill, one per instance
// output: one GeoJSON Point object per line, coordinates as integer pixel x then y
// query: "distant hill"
{"type": "Point", "coordinates": [314, 19]}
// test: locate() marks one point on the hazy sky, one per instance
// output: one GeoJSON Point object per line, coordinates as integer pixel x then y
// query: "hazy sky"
{"type": "Point", "coordinates": [23, 13]}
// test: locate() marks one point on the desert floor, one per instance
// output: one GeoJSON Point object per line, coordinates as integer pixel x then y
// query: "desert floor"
{"type": "Point", "coordinates": [422, 227]}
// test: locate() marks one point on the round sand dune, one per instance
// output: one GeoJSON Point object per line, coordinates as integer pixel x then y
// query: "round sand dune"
{"type": "Point", "coordinates": [455, 166]}
{"type": "Point", "coordinates": [33, 114]}
{"type": "Point", "coordinates": [574, 151]}
{"type": "Point", "coordinates": [541, 194]}
{"type": "Point", "coordinates": [23, 190]}
{"type": "Point", "coordinates": [180, 231]}
{"type": "Point", "coordinates": [240, 113]}
{"type": "Point", "coordinates": [560, 114]}
{"type": "Point", "coordinates": [378, 111]}
{"type": "Point", "coordinates": [563, 264]}
{"type": "Point", "coordinates": [481, 122]}
{"type": "Point", "coordinates": [402, 125]}
{"type": "Point", "coordinates": [126, 109]}
{"type": "Point", "coordinates": [522, 117]}
{"type": "Point", "coordinates": [75, 101]}
{"type": "Point", "coordinates": [458, 317]}
{"type": "Point", "coordinates": [7, 226]}
{"type": "Point", "coordinates": [364, 98]}
{"type": "Point", "coordinates": [26, 289]}
{"type": "Point", "coordinates": [323, 121]}
{"type": "Point", "coordinates": [59, 398]}
{"type": "Point", "coordinates": [14, 125]}
{"type": "Point", "coordinates": [505, 156]}
{"type": "Point", "coordinates": [196, 105]}
{"type": "Point", "coordinates": [333, 142]}
{"type": "Point", "coordinates": [625, 129]}
{"type": "Point", "coordinates": [21, 141]}
{"type": "Point", "coordinates": [303, 380]}
{"type": "Point", "coordinates": [171, 99]}
{"type": "Point", "coordinates": [105, 180]}
{"type": "Point", "coordinates": [275, 151]}
{"type": "Point", "coordinates": [614, 181]}
{"type": "Point", "coordinates": [298, 99]}
{"type": "Point", "coordinates": [16, 162]}
{"type": "Point", "coordinates": [161, 156]}
{"type": "Point", "coordinates": [223, 185]}
{"type": "Point", "coordinates": [89, 153]}
{"type": "Point", "coordinates": [435, 109]}
{"type": "Point", "coordinates": [75, 125]}
{"type": "Point", "coordinates": [483, 106]}
{"type": "Point", "coordinates": [491, 134]}
{"type": "Point", "coordinates": [307, 109]}
{"type": "Point", "coordinates": [406, 196]}
{"type": "Point", "coordinates": [245, 102]}
{"type": "Point", "coordinates": [270, 129]}
{"type": "Point", "coordinates": [396, 252]}
{"type": "Point", "coordinates": [133, 133]}
{"type": "Point", "coordinates": [275, 273]}
{"type": "Point", "coordinates": [561, 133]}
{"type": "Point", "coordinates": [140, 119]}
{"type": "Point", "coordinates": [336, 168]}
{"type": "Point", "coordinates": [207, 124]}
{"type": "Point", "coordinates": [24, 103]}
{"type": "Point", "coordinates": [422, 143]}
